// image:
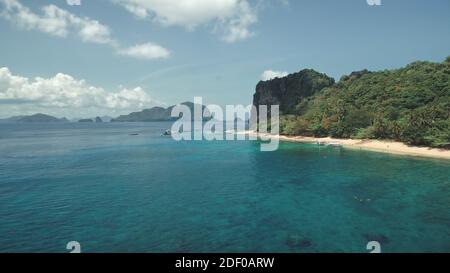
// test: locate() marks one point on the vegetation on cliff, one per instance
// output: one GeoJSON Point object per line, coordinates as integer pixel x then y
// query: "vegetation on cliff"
{"type": "Point", "coordinates": [411, 104]}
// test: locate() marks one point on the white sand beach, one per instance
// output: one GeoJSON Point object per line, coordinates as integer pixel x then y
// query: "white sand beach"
{"type": "Point", "coordinates": [384, 146]}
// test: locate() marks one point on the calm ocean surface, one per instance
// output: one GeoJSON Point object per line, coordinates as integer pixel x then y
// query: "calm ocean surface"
{"type": "Point", "coordinates": [116, 192]}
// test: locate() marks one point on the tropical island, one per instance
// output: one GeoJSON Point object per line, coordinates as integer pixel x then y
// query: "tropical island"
{"type": "Point", "coordinates": [393, 108]}
{"type": "Point", "coordinates": [35, 118]}
{"type": "Point", "coordinates": [155, 114]}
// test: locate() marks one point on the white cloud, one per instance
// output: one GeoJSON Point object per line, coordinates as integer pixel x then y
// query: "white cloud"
{"type": "Point", "coordinates": [140, 12]}
{"type": "Point", "coordinates": [93, 31]}
{"type": "Point", "coordinates": [61, 23]}
{"type": "Point", "coordinates": [64, 94]}
{"type": "Point", "coordinates": [270, 74]}
{"type": "Point", "coordinates": [238, 28]}
{"type": "Point", "coordinates": [56, 21]}
{"type": "Point", "coordinates": [146, 51]}
{"type": "Point", "coordinates": [232, 18]}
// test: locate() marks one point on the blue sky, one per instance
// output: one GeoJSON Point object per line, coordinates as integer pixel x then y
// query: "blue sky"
{"type": "Point", "coordinates": [116, 56]}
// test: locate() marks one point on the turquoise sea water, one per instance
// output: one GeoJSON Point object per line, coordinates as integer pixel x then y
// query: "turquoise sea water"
{"type": "Point", "coordinates": [116, 192]}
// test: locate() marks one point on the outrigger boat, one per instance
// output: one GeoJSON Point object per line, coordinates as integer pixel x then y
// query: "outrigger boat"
{"type": "Point", "coordinates": [335, 144]}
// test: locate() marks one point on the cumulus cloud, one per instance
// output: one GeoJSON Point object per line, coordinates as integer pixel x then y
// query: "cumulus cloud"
{"type": "Point", "coordinates": [238, 28]}
{"type": "Point", "coordinates": [63, 93]}
{"type": "Point", "coordinates": [270, 74]}
{"type": "Point", "coordinates": [146, 51]}
{"type": "Point", "coordinates": [60, 23]}
{"type": "Point", "coordinates": [56, 21]}
{"type": "Point", "coordinates": [232, 18]}
{"type": "Point", "coordinates": [137, 10]}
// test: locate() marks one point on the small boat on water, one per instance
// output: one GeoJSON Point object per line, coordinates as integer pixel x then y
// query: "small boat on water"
{"type": "Point", "coordinates": [167, 133]}
{"type": "Point", "coordinates": [321, 143]}
{"type": "Point", "coordinates": [335, 144]}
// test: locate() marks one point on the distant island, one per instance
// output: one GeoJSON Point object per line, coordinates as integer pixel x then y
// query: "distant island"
{"type": "Point", "coordinates": [86, 120]}
{"type": "Point", "coordinates": [36, 118]}
{"type": "Point", "coordinates": [155, 114]}
{"type": "Point", "coordinates": [146, 115]}
{"type": "Point", "coordinates": [91, 120]}
{"type": "Point", "coordinates": [409, 105]}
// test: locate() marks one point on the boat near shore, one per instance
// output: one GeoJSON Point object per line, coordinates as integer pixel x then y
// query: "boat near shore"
{"type": "Point", "coordinates": [334, 144]}
{"type": "Point", "coordinates": [374, 145]}
{"type": "Point", "coordinates": [330, 144]}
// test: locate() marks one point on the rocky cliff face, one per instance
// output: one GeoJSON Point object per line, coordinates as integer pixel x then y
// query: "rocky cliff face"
{"type": "Point", "coordinates": [290, 90]}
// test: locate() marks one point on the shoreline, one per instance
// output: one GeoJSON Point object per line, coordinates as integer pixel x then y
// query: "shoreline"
{"type": "Point", "coordinates": [383, 146]}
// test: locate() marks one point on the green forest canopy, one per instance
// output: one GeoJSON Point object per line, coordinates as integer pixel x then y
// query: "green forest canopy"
{"type": "Point", "coordinates": [411, 104]}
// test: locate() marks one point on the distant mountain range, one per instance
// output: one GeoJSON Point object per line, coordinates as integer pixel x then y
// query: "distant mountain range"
{"type": "Point", "coordinates": [147, 115]}
{"type": "Point", "coordinates": [155, 114]}
{"type": "Point", "coordinates": [92, 119]}
{"type": "Point", "coordinates": [36, 118]}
